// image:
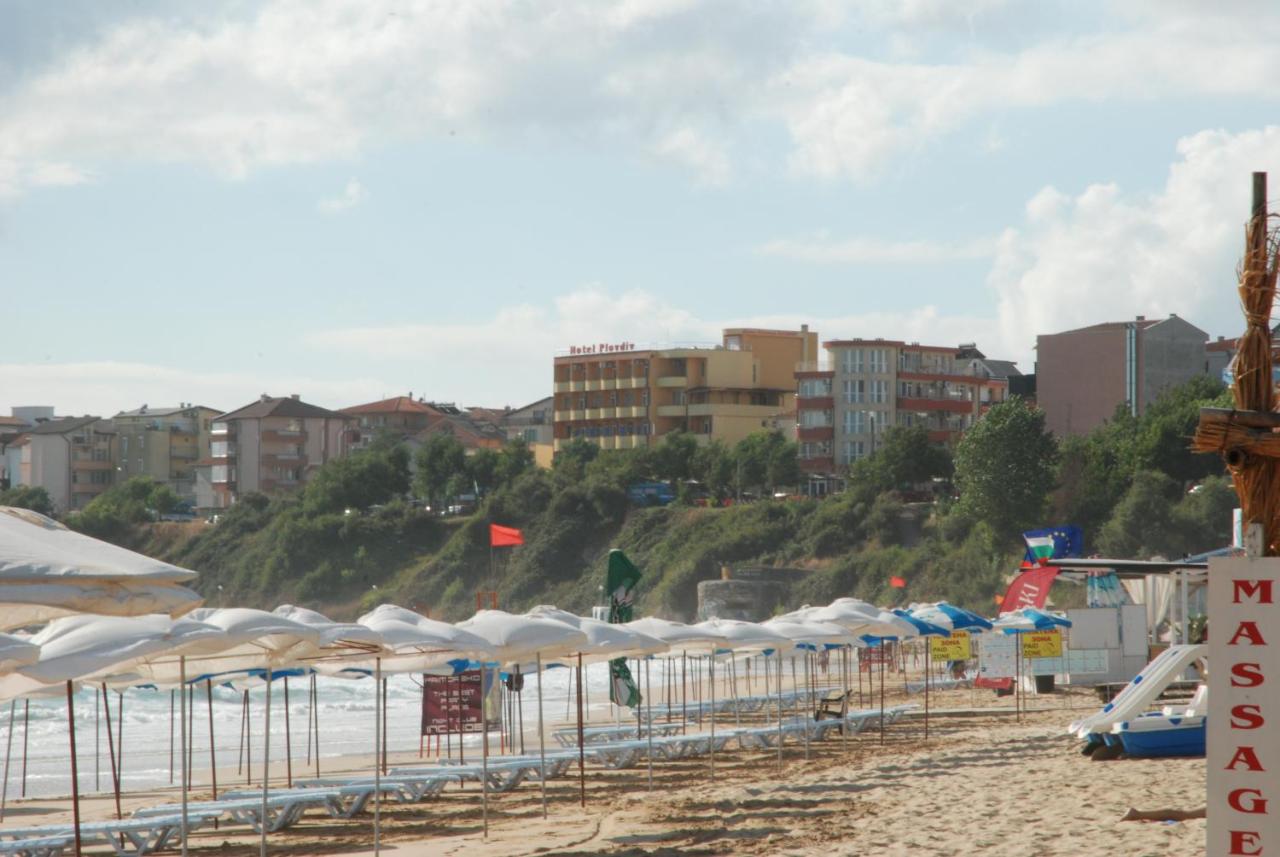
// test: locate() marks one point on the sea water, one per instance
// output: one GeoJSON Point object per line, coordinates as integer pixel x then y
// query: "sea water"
{"type": "Point", "coordinates": [344, 710]}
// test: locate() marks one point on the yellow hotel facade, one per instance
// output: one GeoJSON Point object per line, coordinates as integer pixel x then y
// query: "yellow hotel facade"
{"type": "Point", "coordinates": [620, 396]}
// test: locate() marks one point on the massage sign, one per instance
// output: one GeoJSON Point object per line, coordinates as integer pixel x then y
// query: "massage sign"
{"type": "Point", "coordinates": [1244, 706]}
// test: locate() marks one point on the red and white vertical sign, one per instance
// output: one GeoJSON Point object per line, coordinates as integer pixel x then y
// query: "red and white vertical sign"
{"type": "Point", "coordinates": [1244, 707]}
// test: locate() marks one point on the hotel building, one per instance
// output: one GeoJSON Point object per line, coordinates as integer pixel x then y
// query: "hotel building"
{"type": "Point", "coordinates": [74, 459]}
{"type": "Point", "coordinates": [621, 397]}
{"type": "Point", "coordinates": [866, 386]}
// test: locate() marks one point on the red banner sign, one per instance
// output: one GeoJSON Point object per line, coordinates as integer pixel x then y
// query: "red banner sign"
{"type": "Point", "coordinates": [1029, 589]}
{"type": "Point", "coordinates": [453, 703]}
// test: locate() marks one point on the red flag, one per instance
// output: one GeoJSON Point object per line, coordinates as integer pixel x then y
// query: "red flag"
{"type": "Point", "coordinates": [1029, 589]}
{"type": "Point", "coordinates": [999, 600]}
{"type": "Point", "coordinates": [501, 537]}
{"type": "Point", "coordinates": [897, 583]}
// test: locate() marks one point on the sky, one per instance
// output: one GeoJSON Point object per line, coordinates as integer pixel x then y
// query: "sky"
{"type": "Point", "coordinates": [350, 200]}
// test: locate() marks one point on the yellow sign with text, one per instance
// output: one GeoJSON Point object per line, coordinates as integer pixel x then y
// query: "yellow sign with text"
{"type": "Point", "coordinates": [1042, 644]}
{"type": "Point", "coordinates": [952, 648]}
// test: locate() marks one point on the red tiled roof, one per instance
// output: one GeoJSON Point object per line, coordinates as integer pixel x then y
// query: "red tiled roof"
{"type": "Point", "coordinates": [396, 405]}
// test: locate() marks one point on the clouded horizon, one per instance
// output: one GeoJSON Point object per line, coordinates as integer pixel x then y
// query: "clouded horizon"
{"type": "Point", "coordinates": [351, 200]}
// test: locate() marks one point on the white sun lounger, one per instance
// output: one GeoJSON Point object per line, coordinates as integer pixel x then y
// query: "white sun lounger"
{"type": "Point", "coordinates": [44, 846]}
{"type": "Point", "coordinates": [404, 788]}
{"type": "Point", "coordinates": [130, 836]}
{"type": "Point", "coordinates": [284, 808]}
{"type": "Point", "coordinates": [568, 737]}
{"type": "Point", "coordinates": [503, 775]}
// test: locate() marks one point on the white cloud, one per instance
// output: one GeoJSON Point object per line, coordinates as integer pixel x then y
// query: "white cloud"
{"type": "Point", "coordinates": [1106, 255]}
{"type": "Point", "coordinates": [352, 195]}
{"type": "Point", "coordinates": [824, 249]}
{"type": "Point", "coordinates": [105, 388]}
{"type": "Point", "coordinates": [293, 82]}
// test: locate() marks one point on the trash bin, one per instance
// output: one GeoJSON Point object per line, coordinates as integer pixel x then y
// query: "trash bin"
{"type": "Point", "coordinates": [1044, 684]}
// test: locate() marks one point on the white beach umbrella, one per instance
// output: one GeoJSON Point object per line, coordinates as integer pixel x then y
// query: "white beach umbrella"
{"type": "Point", "coordinates": [861, 617]}
{"type": "Point", "coordinates": [415, 643]}
{"type": "Point", "coordinates": [48, 570]}
{"type": "Point", "coordinates": [351, 636]}
{"type": "Point", "coordinates": [810, 634]}
{"type": "Point", "coordinates": [17, 652]}
{"type": "Point", "coordinates": [676, 634]}
{"type": "Point", "coordinates": [605, 641]}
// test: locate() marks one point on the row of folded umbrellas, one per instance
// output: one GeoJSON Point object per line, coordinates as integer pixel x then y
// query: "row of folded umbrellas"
{"type": "Point", "coordinates": [227, 644]}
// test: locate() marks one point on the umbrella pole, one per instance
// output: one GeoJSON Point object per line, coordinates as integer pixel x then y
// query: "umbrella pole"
{"type": "Point", "coordinates": [520, 710]}
{"type": "Point", "coordinates": [777, 669]}
{"type": "Point", "coordinates": [861, 704]}
{"type": "Point", "coordinates": [8, 746]}
{"type": "Point", "coordinates": [97, 739]}
{"type": "Point", "coordinates": [684, 693]}
{"type": "Point", "coordinates": [315, 704]}
{"type": "Point", "coordinates": [795, 684]}
{"type": "Point", "coordinates": [182, 750]}
{"type": "Point", "coordinates": [648, 699]}
{"type": "Point", "coordinates": [484, 751]}
{"type": "Point", "coordinates": [711, 683]}
{"type": "Point", "coordinates": [213, 756]}
{"type": "Point", "coordinates": [542, 739]}
{"type": "Point", "coordinates": [111, 749]}
{"type": "Point", "coordinates": [737, 701]}
{"type": "Point", "coordinates": [171, 738]}
{"type": "Point", "coordinates": [311, 710]}
{"type": "Point", "coordinates": [377, 769]}
{"type": "Point", "coordinates": [881, 659]}
{"type": "Point", "coordinates": [384, 724]}
{"type": "Point", "coordinates": [266, 767]}
{"type": "Point", "coordinates": [26, 726]}
{"type": "Point", "coordinates": [288, 743]}
{"type": "Point", "coordinates": [844, 699]}
{"type": "Point", "coordinates": [248, 741]}
{"type": "Point", "coordinates": [75, 775]}
{"type": "Point", "coordinates": [119, 737]}
{"type": "Point", "coordinates": [191, 732]}
{"type": "Point", "coordinates": [582, 752]}
{"type": "Point", "coordinates": [928, 664]}
{"type": "Point", "coordinates": [424, 708]}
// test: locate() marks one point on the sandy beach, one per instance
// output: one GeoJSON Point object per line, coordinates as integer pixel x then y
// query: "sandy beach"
{"type": "Point", "coordinates": [983, 783]}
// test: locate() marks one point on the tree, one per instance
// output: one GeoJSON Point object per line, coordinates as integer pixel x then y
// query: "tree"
{"type": "Point", "coordinates": [905, 457]}
{"type": "Point", "coordinates": [31, 497]}
{"type": "Point", "coordinates": [765, 459]}
{"type": "Point", "coordinates": [1004, 468]}
{"type": "Point", "coordinates": [1142, 523]}
{"type": "Point", "coordinates": [514, 459]}
{"type": "Point", "coordinates": [482, 471]}
{"type": "Point", "coordinates": [1162, 440]}
{"type": "Point", "coordinates": [439, 460]}
{"type": "Point", "coordinates": [713, 467]}
{"type": "Point", "coordinates": [674, 455]}
{"type": "Point", "coordinates": [358, 481]}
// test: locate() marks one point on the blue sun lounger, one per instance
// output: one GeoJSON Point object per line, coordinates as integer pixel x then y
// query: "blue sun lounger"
{"type": "Point", "coordinates": [130, 836]}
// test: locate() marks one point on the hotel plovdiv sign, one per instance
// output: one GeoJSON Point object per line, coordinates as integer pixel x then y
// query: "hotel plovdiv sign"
{"type": "Point", "coordinates": [601, 348]}
{"type": "Point", "coordinates": [1244, 706]}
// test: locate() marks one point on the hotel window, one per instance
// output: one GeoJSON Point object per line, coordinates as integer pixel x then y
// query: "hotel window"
{"type": "Point", "coordinates": [814, 387]}
{"type": "Point", "coordinates": [815, 419]}
{"type": "Point", "coordinates": [851, 361]}
{"type": "Point", "coordinates": [855, 422]}
{"type": "Point", "coordinates": [853, 450]}
{"type": "Point", "coordinates": [878, 360]}
{"type": "Point", "coordinates": [855, 391]}
{"type": "Point", "coordinates": [582, 403]}
{"type": "Point", "coordinates": [644, 397]}
{"type": "Point", "coordinates": [879, 391]}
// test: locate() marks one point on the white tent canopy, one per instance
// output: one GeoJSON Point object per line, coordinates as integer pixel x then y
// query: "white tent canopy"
{"type": "Point", "coordinates": [47, 571]}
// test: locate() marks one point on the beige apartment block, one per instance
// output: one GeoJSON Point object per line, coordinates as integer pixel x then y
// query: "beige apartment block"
{"type": "Point", "coordinates": [74, 459]}
{"type": "Point", "coordinates": [273, 445]}
{"type": "Point", "coordinates": [846, 403]}
{"type": "Point", "coordinates": [621, 397]}
{"type": "Point", "coordinates": [164, 444]}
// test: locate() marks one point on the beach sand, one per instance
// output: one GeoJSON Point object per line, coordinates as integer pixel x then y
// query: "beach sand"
{"type": "Point", "coordinates": [981, 784]}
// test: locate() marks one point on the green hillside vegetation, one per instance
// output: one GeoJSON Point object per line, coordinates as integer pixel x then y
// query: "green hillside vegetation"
{"type": "Point", "coordinates": [352, 538]}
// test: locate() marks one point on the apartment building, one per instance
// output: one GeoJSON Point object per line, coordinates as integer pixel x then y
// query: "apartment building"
{"type": "Point", "coordinates": [73, 459]}
{"type": "Point", "coordinates": [164, 444]}
{"type": "Point", "coordinates": [273, 445]}
{"type": "Point", "coordinates": [621, 397]}
{"type": "Point", "coordinates": [1082, 375]}
{"type": "Point", "coordinates": [866, 386]}
{"type": "Point", "coordinates": [402, 416]}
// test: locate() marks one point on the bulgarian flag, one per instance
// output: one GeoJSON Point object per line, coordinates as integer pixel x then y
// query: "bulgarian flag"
{"type": "Point", "coordinates": [620, 582]}
{"type": "Point", "coordinates": [1040, 548]}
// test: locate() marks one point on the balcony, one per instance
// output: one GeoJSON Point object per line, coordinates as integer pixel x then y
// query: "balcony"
{"type": "Point", "coordinates": [595, 383]}
{"type": "Point", "coordinates": [633, 382]}
{"type": "Point", "coordinates": [594, 413]}
{"type": "Point", "coordinates": [561, 386]}
{"type": "Point", "coordinates": [954, 406]}
{"type": "Point", "coordinates": [673, 381]}
{"type": "Point", "coordinates": [578, 414]}
{"type": "Point", "coordinates": [671, 410]}
{"type": "Point", "coordinates": [562, 416]}
{"type": "Point", "coordinates": [578, 385]}
{"type": "Point", "coordinates": [90, 464]}
{"type": "Point", "coordinates": [633, 411]}
{"type": "Point", "coordinates": [283, 435]}
{"type": "Point", "coordinates": [815, 403]}
{"type": "Point", "coordinates": [818, 465]}
{"type": "Point", "coordinates": [816, 433]}
{"type": "Point", "coordinates": [608, 442]}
